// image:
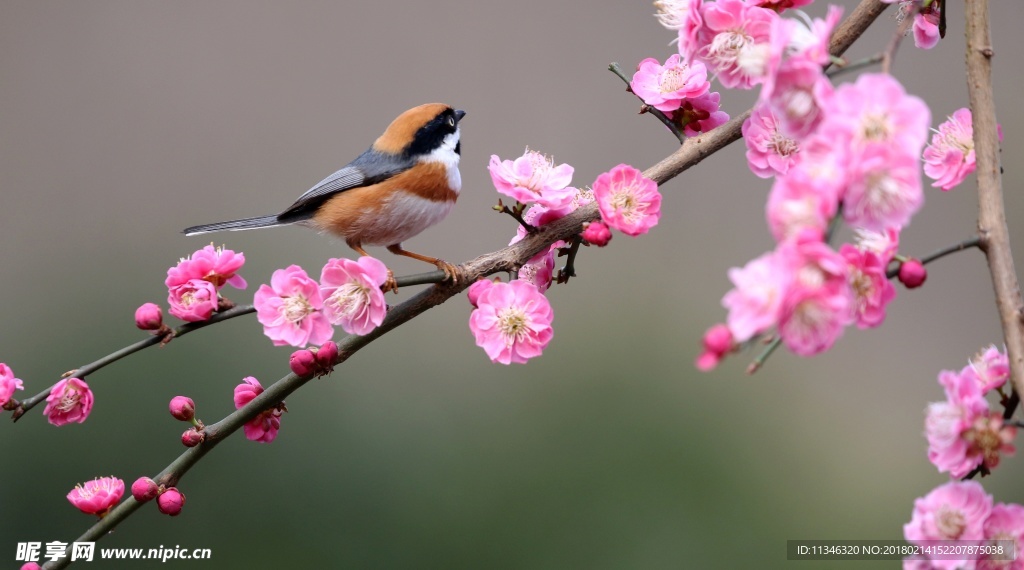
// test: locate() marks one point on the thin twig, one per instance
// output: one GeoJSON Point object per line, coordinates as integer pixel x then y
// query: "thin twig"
{"type": "Point", "coordinates": [570, 263]}
{"type": "Point", "coordinates": [970, 242]}
{"type": "Point", "coordinates": [614, 68]}
{"type": "Point", "coordinates": [856, 65]}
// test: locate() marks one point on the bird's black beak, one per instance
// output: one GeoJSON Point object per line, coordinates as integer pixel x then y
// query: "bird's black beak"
{"type": "Point", "coordinates": [459, 113]}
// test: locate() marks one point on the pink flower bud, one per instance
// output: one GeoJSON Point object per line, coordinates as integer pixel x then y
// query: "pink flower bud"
{"type": "Point", "coordinates": [597, 233]}
{"type": "Point", "coordinates": [707, 361]}
{"type": "Point", "coordinates": [302, 362]}
{"type": "Point", "coordinates": [192, 437]}
{"type": "Point", "coordinates": [477, 289]}
{"type": "Point", "coordinates": [31, 566]}
{"type": "Point", "coordinates": [145, 489]}
{"type": "Point", "coordinates": [718, 339]}
{"type": "Point", "coordinates": [171, 501]}
{"type": "Point", "coordinates": [183, 408]}
{"type": "Point", "coordinates": [149, 317]}
{"type": "Point", "coordinates": [326, 356]}
{"type": "Point", "coordinates": [912, 273]}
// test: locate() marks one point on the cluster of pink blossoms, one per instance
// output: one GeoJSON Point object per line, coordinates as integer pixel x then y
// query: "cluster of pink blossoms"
{"type": "Point", "coordinates": [193, 285]}
{"type": "Point", "coordinates": [69, 401]}
{"type": "Point", "coordinates": [513, 324]}
{"type": "Point", "coordinates": [962, 510]}
{"type": "Point", "coordinates": [963, 433]}
{"type": "Point", "coordinates": [852, 150]}
{"type": "Point", "coordinates": [296, 310]}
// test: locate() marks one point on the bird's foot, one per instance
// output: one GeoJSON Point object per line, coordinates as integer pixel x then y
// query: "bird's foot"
{"type": "Point", "coordinates": [451, 273]}
{"type": "Point", "coordinates": [390, 284]}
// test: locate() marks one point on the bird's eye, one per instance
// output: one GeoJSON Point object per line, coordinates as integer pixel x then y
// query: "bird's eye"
{"type": "Point", "coordinates": [451, 121]}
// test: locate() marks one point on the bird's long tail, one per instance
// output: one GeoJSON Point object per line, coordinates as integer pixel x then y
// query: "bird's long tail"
{"type": "Point", "coordinates": [237, 225]}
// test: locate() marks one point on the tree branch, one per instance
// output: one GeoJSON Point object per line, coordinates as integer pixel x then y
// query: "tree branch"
{"type": "Point", "coordinates": [995, 236]}
{"type": "Point", "coordinates": [507, 259]}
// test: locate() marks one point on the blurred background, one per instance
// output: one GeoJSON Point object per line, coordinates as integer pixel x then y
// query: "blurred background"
{"type": "Point", "coordinates": [124, 122]}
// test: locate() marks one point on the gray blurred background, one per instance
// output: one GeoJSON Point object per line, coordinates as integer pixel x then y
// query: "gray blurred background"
{"type": "Point", "coordinates": [123, 122]}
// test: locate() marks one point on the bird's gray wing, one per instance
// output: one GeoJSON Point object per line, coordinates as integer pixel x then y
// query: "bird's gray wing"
{"type": "Point", "coordinates": [369, 168]}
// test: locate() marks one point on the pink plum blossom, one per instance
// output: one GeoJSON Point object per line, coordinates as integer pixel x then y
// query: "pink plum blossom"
{"type": "Point", "coordinates": [822, 168]}
{"type": "Point", "coordinates": [628, 200]}
{"type": "Point", "coordinates": [700, 114]}
{"type": "Point", "coordinates": [871, 288]}
{"type": "Point", "coordinates": [732, 41]}
{"type": "Point", "coordinates": [949, 159]}
{"type": "Point", "coordinates": [683, 16]}
{"type": "Point", "coordinates": [884, 244]}
{"type": "Point", "coordinates": [990, 368]}
{"type": "Point", "coordinates": [264, 427]}
{"type": "Point", "coordinates": [769, 151]}
{"type": "Point", "coordinates": [70, 401]}
{"type": "Point", "coordinates": [1005, 522]}
{"type": "Point", "coordinates": [884, 189]}
{"type": "Point", "coordinates": [756, 298]}
{"type": "Point", "coordinates": [216, 265]}
{"type": "Point", "coordinates": [947, 423]}
{"type": "Point", "coordinates": [8, 384]}
{"type": "Point", "coordinates": [813, 318]}
{"type": "Point", "coordinates": [351, 293]}
{"type": "Point", "coordinates": [954, 511]}
{"type": "Point", "coordinates": [799, 95]}
{"type": "Point", "coordinates": [796, 42]}
{"type": "Point", "coordinates": [512, 322]}
{"type": "Point", "coordinates": [98, 496]}
{"type": "Point", "coordinates": [665, 87]}
{"type": "Point", "coordinates": [533, 178]}
{"type": "Point", "coordinates": [794, 204]}
{"type": "Point", "coordinates": [194, 300]}
{"type": "Point", "coordinates": [818, 303]}
{"type": "Point", "coordinates": [290, 309]}
{"type": "Point", "coordinates": [876, 110]}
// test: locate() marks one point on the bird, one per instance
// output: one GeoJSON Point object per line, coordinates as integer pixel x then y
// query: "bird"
{"type": "Point", "coordinates": [407, 181]}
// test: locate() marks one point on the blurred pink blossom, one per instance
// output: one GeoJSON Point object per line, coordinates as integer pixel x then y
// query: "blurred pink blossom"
{"type": "Point", "coordinates": [734, 42]}
{"type": "Point", "coordinates": [954, 511]}
{"type": "Point", "coordinates": [871, 288]}
{"type": "Point", "coordinates": [769, 151]}
{"type": "Point", "coordinates": [949, 159]}
{"type": "Point", "coordinates": [700, 114]}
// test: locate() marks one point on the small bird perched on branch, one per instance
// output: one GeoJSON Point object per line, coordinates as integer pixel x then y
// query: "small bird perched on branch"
{"type": "Point", "coordinates": [407, 181]}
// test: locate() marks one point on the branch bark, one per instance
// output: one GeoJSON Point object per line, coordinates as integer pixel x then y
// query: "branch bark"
{"type": "Point", "coordinates": [992, 229]}
{"type": "Point", "coordinates": [509, 258]}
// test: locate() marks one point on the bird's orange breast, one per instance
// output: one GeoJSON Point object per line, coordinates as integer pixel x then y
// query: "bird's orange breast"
{"type": "Point", "coordinates": [391, 211]}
